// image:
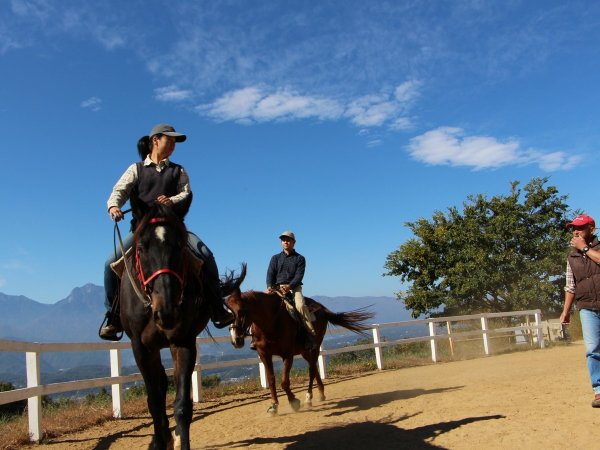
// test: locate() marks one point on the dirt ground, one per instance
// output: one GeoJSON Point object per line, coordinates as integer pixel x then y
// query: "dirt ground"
{"type": "Point", "coordinates": [539, 399]}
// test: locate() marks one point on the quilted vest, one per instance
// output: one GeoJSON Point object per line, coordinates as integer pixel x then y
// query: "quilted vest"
{"type": "Point", "coordinates": [587, 278]}
{"type": "Point", "coordinates": [151, 184]}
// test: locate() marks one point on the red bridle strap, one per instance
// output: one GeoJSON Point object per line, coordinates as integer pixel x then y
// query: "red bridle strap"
{"type": "Point", "coordinates": [143, 279]}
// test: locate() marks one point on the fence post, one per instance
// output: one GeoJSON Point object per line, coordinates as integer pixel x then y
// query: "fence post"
{"type": "Point", "coordinates": [34, 404]}
{"type": "Point", "coordinates": [433, 346]}
{"type": "Point", "coordinates": [540, 332]}
{"type": "Point", "coordinates": [378, 352]}
{"type": "Point", "coordinates": [485, 334]}
{"type": "Point", "coordinates": [263, 375]}
{"type": "Point", "coordinates": [116, 389]}
{"type": "Point", "coordinates": [197, 377]}
{"type": "Point", "coordinates": [450, 340]}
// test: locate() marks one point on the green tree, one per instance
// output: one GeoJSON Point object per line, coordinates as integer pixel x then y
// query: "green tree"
{"type": "Point", "coordinates": [505, 253]}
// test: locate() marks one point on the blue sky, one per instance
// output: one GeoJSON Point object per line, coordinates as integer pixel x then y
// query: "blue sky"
{"type": "Point", "coordinates": [340, 120]}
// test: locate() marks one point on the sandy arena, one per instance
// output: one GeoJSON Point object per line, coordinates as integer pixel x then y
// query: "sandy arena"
{"type": "Point", "coordinates": [539, 399]}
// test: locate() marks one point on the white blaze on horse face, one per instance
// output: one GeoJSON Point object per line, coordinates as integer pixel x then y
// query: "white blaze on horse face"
{"type": "Point", "coordinates": [160, 232]}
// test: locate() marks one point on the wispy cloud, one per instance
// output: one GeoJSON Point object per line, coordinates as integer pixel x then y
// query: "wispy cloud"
{"type": "Point", "coordinates": [451, 146]}
{"type": "Point", "coordinates": [172, 93]}
{"type": "Point", "coordinates": [15, 265]}
{"type": "Point", "coordinates": [262, 104]}
{"type": "Point", "coordinates": [92, 103]}
{"type": "Point", "coordinates": [34, 20]}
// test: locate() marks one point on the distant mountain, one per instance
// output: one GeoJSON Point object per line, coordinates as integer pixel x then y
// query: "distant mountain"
{"type": "Point", "coordinates": [386, 309]}
{"type": "Point", "coordinates": [78, 317]}
{"type": "Point", "coordinates": [74, 319]}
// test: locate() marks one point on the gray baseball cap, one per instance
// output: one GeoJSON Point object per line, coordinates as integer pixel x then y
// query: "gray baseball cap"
{"type": "Point", "coordinates": [167, 130]}
{"type": "Point", "coordinates": [287, 234]}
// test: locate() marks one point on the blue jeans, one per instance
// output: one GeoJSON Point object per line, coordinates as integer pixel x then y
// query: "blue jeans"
{"type": "Point", "coordinates": [590, 325]}
{"type": "Point", "coordinates": [111, 280]}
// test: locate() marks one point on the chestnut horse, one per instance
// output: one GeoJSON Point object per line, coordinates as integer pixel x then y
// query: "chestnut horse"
{"type": "Point", "coordinates": [163, 304]}
{"type": "Point", "coordinates": [275, 332]}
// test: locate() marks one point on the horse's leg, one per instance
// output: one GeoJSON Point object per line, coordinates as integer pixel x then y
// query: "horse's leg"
{"type": "Point", "coordinates": [155, 379]}
{"type": "Point", "coordinates": [285, 382]}
{"type": "Point", "coordinates": [184, 359]}
{"type": "Point", "coordinates": [267, 360]}
{"type": "Point", "coordinates": [312, 370]}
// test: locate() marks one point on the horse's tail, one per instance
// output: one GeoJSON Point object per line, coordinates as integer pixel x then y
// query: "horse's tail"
{"type": "Point", "coordinates": [354, 320]}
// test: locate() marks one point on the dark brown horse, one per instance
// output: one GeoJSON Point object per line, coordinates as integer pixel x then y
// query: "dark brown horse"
{"type": "Point", "coordinates": [163, 305]}
{"type": "Point", "coordinates": [275, 332]}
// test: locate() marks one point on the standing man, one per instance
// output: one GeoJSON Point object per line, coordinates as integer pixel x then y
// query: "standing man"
{"type": "Point", "coordinates": [285, 273]}
{"type": "Point", "coordinates": [583, 288]}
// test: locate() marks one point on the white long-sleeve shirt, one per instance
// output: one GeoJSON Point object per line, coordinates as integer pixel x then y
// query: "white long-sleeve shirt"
{"type": "Point", "coordinates": [122, 189]}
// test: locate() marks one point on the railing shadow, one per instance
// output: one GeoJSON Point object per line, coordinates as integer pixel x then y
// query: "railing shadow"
{"type": "Point", "coordinates": [380, 434]}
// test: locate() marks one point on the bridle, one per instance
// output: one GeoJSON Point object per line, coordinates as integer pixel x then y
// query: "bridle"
{"type": "Point", "coordinates": [242, 327]}
{"type": "Point", "coordinates": [145, 297]}
{"type": "Point", "coordinates": [145, 281]}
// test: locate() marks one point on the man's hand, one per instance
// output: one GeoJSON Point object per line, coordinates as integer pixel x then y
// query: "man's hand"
{"type": "Point", "coordinates": [285, 288]}
{"type": "Point", "coordinates": [578, 242]}
{"type": "Point", "coordinates": [565, 317]}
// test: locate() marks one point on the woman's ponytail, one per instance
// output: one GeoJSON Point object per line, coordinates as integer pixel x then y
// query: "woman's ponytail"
{"type": "Point", "coordinates": [143, 147]}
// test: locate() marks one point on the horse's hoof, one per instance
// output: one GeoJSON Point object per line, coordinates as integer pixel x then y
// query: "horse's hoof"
{"type": "Point", "coordinates": [308, 401]}
{"type": "Point", "coordinates": [295, 404]}
{"type": "Point", "coordinates": [272, 409]}
{"type": "Point", "coordinates": [322, 397]}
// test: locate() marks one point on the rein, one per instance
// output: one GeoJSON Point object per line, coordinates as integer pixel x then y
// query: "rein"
{"type": "Point", "coordinates": [143, 298]}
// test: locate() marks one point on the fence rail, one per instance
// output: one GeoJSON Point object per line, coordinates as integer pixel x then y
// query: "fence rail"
{"type": "Point", "coordinates": [36, 389]}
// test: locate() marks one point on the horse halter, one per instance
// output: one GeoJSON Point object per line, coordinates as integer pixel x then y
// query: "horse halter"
{"type": "Point", "coordinates": [164, 270]}
{"type": "Point", "coordinates": [242, 316]}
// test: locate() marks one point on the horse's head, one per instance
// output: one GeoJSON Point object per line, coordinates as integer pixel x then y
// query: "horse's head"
{"type": "Point", "coordinates": [161, 263]}
{"type": "Point", "coordinates": [236, 302]}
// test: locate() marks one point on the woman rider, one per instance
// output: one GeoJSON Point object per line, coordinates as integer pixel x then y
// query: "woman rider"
{"type": "Point", "coordinates": [156, 179]}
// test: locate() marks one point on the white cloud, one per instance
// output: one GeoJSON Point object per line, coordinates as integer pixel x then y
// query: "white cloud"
{"type": "Point", "coordinates": [92, 103]}
{"type": "Point", "coordinates": [263, 104]}
{"type": "Point", "coordinates": [172, 94]}
{"type": "Point", "coordinates": [407, 91]}
{"type": "Point", "coordinates": [257, 104]}
{"type": "Point", "coordinates": [450, 146]}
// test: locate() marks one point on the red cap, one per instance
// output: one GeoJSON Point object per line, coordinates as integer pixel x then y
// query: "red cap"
{"type": "Point", "coordinates": [582, 220]}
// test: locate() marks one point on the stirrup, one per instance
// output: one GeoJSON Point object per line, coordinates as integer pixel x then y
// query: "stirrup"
{"type": "Point", "coordinates": [112, 337]}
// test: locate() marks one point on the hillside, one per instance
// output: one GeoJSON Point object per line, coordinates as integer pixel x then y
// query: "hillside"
{"type": "Point", "coordinates": [77, 319]}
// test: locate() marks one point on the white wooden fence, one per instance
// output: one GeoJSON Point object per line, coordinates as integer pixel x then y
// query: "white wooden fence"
{"type": "Point", "coordinates": [36, 389]}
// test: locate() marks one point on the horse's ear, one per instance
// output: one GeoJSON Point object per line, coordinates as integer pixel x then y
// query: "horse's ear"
{"type": "Point", "coordinates": [242, 276]}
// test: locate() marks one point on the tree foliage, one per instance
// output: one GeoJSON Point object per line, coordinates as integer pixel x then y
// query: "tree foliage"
{"type": "Point", "coordinates": [505, 253]}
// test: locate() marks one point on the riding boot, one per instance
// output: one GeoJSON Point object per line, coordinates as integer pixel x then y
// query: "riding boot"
{"type": "Point", "coordinates": [310, 343]}
{"type": "Point", "coordinates": [113, 330]}
{"type": "Point", "coordinates": [307, 339]}
{"type": "Point", "coordinates": [219, 314]}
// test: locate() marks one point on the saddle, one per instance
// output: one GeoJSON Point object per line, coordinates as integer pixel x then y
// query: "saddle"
{"type": "Point", "coordinates": [288, 301]}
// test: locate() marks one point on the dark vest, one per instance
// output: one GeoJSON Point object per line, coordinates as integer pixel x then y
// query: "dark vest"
{"type": "Point", "coordinates": [587, 278]}
{"type": "Point", "coordinates": [151, 184]}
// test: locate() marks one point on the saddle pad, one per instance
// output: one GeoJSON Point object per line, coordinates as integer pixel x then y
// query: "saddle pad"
{"type": "Point", "coordinates": [118, 266]}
